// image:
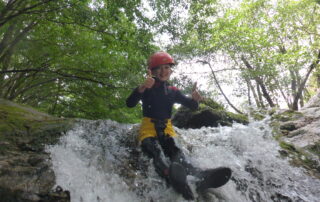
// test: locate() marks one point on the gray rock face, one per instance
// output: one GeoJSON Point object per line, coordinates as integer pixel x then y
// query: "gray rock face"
{"type": "Point", "coordinates": [314, 101]}
{"type": "Point", "coordinates": [301, 130]}
{"type": "Point", "coordinates": [304, 128]}
{"type": "Point", "coordinates": [25, 168]}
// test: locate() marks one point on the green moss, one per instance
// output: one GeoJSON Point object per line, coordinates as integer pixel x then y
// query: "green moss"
{"type": "Point", "coordinates": [300, 158]}
{"type": "Point", "coordinates": [240, 118]}
{"type": "Point", "coordinates": [288, 147]}
{"type": "Point", "coordinates": [21, 125]}
{"type": "Point", "coordinates": [258, 117]}
{"type": "Point", "coordinates": [315, 149]}
{"type": "Point", "coordinates": [288, 115]}
{"type": "Point", "coordinates": [212, 104]}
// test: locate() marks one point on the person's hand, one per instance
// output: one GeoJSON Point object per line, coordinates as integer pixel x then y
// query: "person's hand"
{"type": "Point", "coordinates": [148, 83]}
{"type": "Point", "coordinates": [195, 94]}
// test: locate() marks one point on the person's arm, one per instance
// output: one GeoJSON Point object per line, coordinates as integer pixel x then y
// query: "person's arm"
{"type": "Point", "coordinates": [136, 95]}
{"type": "Point", "coordinates": [134, 98]}
{"type": "Point", "coordinates": [186, 101]}
{"type": "Point", "coordinates": [192, 103]}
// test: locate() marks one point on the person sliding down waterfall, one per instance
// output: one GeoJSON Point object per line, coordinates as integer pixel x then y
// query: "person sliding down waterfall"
{"type": "Point", "coordinates": [156, 133]}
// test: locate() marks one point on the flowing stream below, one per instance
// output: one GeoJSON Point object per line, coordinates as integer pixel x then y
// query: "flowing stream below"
{"type": "Point", "coordinates": [100, 161]}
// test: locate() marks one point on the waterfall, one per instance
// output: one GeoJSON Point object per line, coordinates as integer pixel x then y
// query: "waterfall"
{"type": "Point", "coordinates": [100, 161]}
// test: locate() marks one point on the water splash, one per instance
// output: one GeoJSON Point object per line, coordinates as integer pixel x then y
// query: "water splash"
{"type": "Point", "coordinates": [99, 161]}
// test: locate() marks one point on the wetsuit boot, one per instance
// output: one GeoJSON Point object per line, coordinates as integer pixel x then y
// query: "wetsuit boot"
{"type": "Point", "coordinates": [213, 178]}
{"type": "Point", "coordinates": [178, 180]}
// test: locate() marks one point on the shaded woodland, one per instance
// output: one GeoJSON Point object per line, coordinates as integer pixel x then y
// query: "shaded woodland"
{"type": "Point", "coordinates": [82, 58]}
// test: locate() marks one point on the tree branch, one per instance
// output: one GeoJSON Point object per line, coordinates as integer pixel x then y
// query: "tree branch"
{"type": "Point", "coordinates": [4, 20]}
{"type": "Point", "coordinates": [260, 82]}
{"type": "Point", "coordinates": [82, 78]}
{"type": "Point", "coordinates": [303, 83]}
{"type": "Point", "coordinates": [218, 85]}
{"type": "Point", "coordinates": [19, 70]}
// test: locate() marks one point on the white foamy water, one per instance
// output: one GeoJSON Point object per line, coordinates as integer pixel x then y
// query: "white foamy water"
{"type": "Point", "coordinates": [98, 161]}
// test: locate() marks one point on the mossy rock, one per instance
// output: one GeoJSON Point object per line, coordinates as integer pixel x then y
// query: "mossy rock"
{"type": "Point", "coordinates": [315, 149]}
{"type": "Point", "coordinates": [24, 125]}
{"type": "Point", "coordinates": [212, 104]}
{"type": "Point", "coordinates": [239, 118]}
{"type": "Point", "coordinates": [288, 115]}
{"type": "Point", "coordinates": [24, 132]}
{"type": "Point", "coordinates": [288, 127]}
{"type": "Point", "coordinates": [209, 114]}
{"type": "Point", "coordinates": [23, 128]}
{"type": "Point", "coordinates": [300, 158]}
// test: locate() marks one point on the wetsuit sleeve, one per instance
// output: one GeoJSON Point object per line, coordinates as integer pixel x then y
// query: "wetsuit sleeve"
{"type": "Point", "coordinates": [186, 101]}
{"type": "Point", "coordinates": [134, 98]}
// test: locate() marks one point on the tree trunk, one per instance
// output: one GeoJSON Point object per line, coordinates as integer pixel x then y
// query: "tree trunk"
{"type": "Point", "coordinates": [260, 82]}
{"type": "Point", "coordinates": [254, 93]}
{"type": "Point", "coordinates": [249, 94]}
{"type": "Point", "coordinates": [303, 83]}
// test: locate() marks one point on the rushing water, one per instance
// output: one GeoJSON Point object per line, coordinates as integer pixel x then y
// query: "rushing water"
{"type": "Point", "coordinates": [99, 161]}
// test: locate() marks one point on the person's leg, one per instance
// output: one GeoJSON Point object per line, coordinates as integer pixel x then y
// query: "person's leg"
{"type": "Point", "coordinates": [170, 148]}
{"type": "Point", "coordinates": [179, 168]}
{"type": "Point", "coordinates": [151, 147]}
{"type": "Point", "coordinates": [176, 155]}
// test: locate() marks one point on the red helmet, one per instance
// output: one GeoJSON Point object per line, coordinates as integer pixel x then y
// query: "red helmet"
{"type": "Point", "coordinates": [159, 58]}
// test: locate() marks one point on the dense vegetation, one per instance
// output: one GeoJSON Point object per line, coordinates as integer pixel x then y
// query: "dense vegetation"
{"type": "Point", "coordinates": [72, 58]}
{"type": "Point", "coordinates": [76, 58]}
{"type": "Point", "coordinates": [272, 47]}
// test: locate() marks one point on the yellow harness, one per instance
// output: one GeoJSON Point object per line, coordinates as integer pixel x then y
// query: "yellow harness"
{"type": "Point", "coordinates": [147, 129]}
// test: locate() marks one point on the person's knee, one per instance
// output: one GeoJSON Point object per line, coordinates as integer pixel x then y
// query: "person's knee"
{"type": "Point", "coordinates": [149, 146]}
{"type": "Point", "coordinates": [170, 147]}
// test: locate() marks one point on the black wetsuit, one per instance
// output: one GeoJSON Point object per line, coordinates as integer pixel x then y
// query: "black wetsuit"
{"type": "Point", "coordinates": [157, 104]}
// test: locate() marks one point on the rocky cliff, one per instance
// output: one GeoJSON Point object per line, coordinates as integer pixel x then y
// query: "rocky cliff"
{"type": "Point", "coordinates": [299, 135]}
{"type": "Point", "coordinates": [25, 168]}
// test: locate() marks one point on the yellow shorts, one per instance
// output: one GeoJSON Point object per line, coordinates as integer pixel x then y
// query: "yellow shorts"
{"type": "Point", "coordinates": [147, 129]}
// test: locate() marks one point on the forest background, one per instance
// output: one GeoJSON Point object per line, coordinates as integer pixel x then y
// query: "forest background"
{"type": "Point", "coordinates": [82, 58]}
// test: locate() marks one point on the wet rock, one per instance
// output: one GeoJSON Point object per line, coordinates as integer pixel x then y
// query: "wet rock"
{"type": "Point", "coordinates": [300, 134]}
{"type": "Point", "coordinates": [288, 126]}
{"type": "Point", "coordinates": [56, 195]}
{"type": "Point", "coordinates": [241, 184]}
{"type": "Point", "coordinates": [277, 197]}
{"type": "Point", "coordinates": [206, 116]}
{"type": "Point", "coordinates": [25, 168]}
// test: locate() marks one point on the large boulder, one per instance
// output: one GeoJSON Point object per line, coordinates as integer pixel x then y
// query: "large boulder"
{"type": "Point", "coordinates": [299, 134]}
{"type": "Point", "coordinates": [209, 114]}
{"type": "Point", "coordinates": [25, 169]}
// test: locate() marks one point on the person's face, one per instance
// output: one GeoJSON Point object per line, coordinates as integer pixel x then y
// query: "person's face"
{"type": "Point", "coordinates": [163, 72]}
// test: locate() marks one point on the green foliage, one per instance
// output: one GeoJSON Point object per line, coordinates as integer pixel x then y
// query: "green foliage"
{"type": "Point", "coordinates": [75, 58]}
{"type": "Point", "coordinates": [82, 58]}
{"type": "Point", "coordinates": [314, 83]}
{"type": "Point", "coordinates": [272, 43]}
